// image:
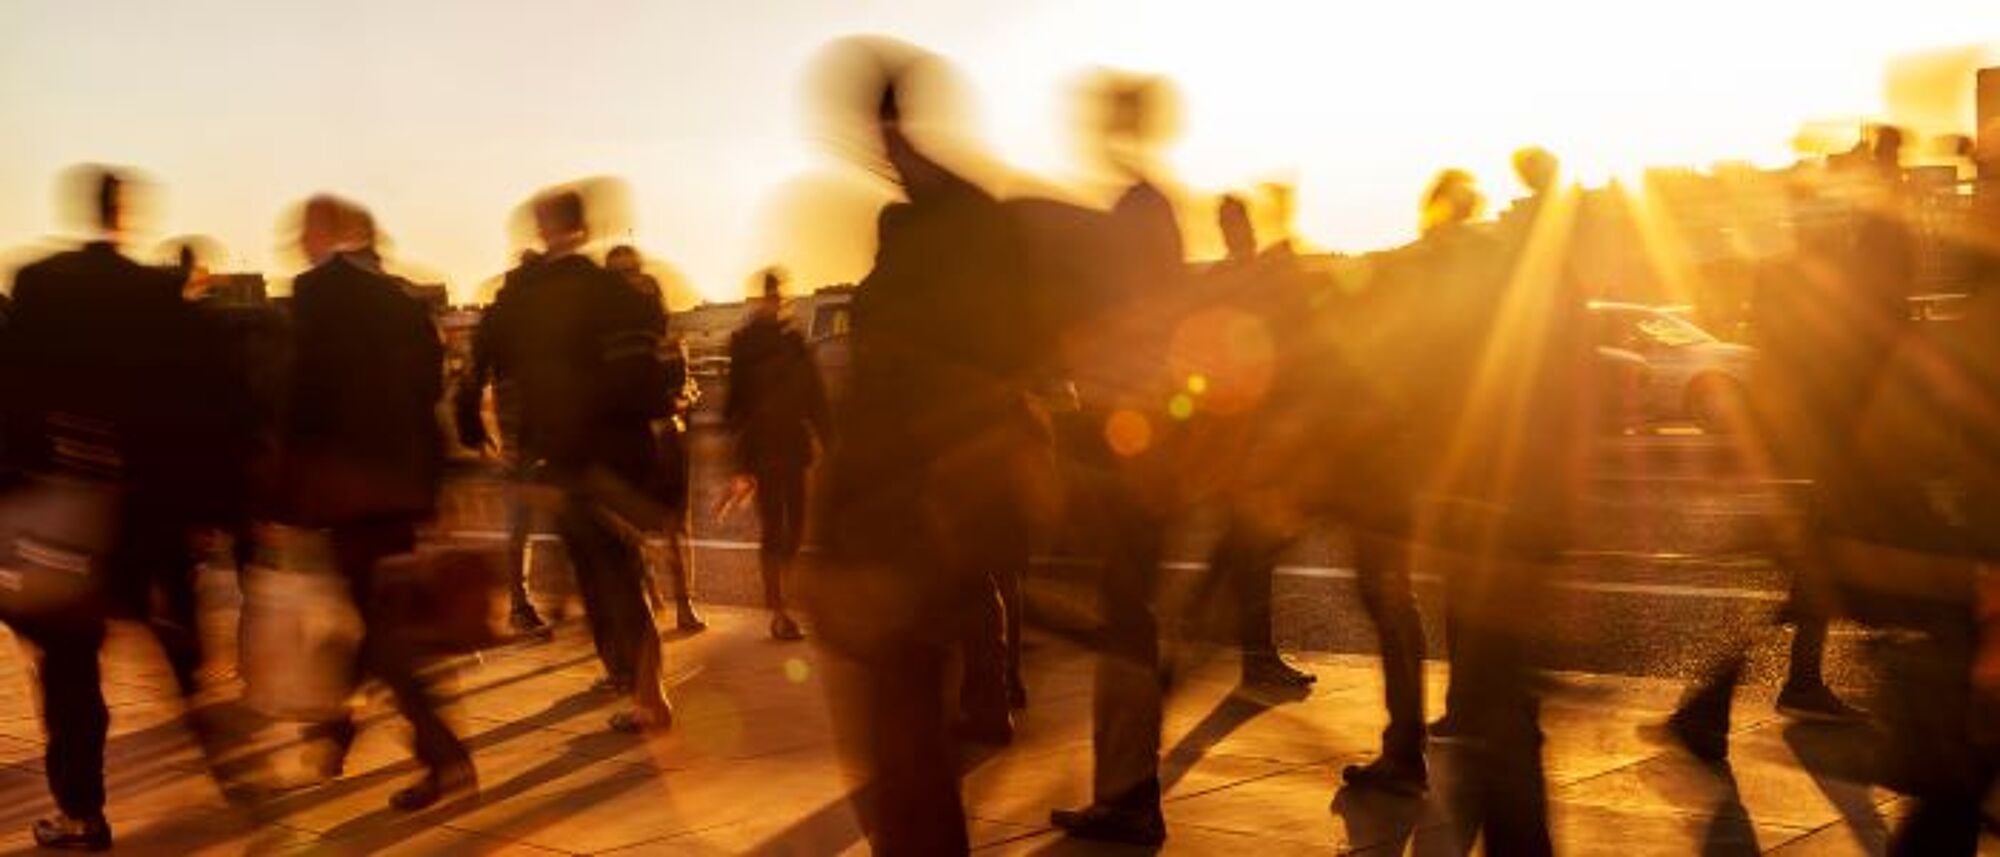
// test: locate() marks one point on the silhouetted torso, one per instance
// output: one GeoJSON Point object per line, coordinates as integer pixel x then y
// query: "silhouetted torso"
{"type": "Point", "coordinates": [105, 361]}
{"type": "Point", "coordinates": [560, 329]}
{"type": "Point", "coordinates": [776, 402]}
{"type": "Point", "coordinates": [361, 431]}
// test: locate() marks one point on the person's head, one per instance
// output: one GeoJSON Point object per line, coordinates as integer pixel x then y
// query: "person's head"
{"type": "Point", "coordinates": [1885, 147]}
{"type": "Point", "coordinates": [320, 227]}
{"type": "Point", "coordinates": [1238, 236]}
{"type": "Point", "coordinates": [331, 225]}
{"type": "Point", "coordinates": [623, 260]}
{"type": "Point", "coordinates": [770, 289]}
{"type": "Point", "coordinates": [110, 203]}
{"type": "Point", "coordinates": [1453, 199]}
{"type": "Point", "coordinates": [1536, 168]}
{"type": "Point", "coordinates": [559, 220]}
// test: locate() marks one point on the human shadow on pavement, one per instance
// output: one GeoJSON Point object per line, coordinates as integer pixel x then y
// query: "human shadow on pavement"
{"type": "Point", "coordinates": [1840, 758]}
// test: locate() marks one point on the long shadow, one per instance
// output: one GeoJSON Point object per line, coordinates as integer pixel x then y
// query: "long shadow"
{"type": "Point", "coordinates": [1729, 832]}
{"type": "Point", "coordinates": [1374, 819]}
{"type": "Point", "coordinates": [1838, 756]}
{"type": "Point", "coordinates": [280, 806]}
{"type": "Point", "coordinates": [385, 827]}
{"type": "Point", "coordinates": [1239, 707]}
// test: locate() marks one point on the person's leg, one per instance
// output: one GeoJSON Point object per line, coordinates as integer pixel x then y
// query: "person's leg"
{"type": "Point", "coordinates": [599, 557]}
{"type": "Point", "coordinates": [1936, 758]}
{"type": "Point", "coordinates": [1127, 708]}
{"type": "Point", "coordinates": [781, 514]}
{"type": "Point", "coordinates": [1504, 790]}
{"type": "Point", "coordinates": [73, 712]}
{"type": "Point", "coordinates": [679, 554]}
{"type": "Point", "coordinates": [386, 654]}
{"type": "Point", "coordinates": [909, 801]}
{"type": "Point", "coordinates": [522, 613]}
{"type": "Point", "coordinates": [1382, 573]}
{"type": "Point", "coordinates": [153, 547]}
{"type": "Point", "coordinates": [1245, 559]}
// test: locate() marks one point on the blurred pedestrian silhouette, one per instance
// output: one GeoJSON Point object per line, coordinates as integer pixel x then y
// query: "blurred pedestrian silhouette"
{"type": "Point", "coordinates": [1322, 444]}
{"type": "Point", "coordinates": [111, 380]}
{"type": "Point", "coordinates": [1126, 449]}
{"type": "Point", "coordinates": [584, 349]}
{"type": "Point", "coordinates": [777, 414]}
{"type": "Point", "coordinates": [935, 400]}
{"type": "Point", "coordinates": [520, 464]}
{"type": "Point", "coordinates": [363, 460]}
{"type": "Point", "coordinates": [672, 479]}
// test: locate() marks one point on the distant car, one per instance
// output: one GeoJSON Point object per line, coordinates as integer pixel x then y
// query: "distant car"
{"type": "Point", "coordinates": [1679, 373]}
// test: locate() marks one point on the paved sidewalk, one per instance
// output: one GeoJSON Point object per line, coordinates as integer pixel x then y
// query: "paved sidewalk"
{"type": "Point", "coordinates": [749, 767]}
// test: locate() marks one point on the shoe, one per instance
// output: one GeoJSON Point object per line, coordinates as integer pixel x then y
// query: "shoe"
{"type": "Point", "coordinates": [1706, 743]}
{"type": "Point", "coordinates": [687, 620]}
{"type": "Point", "coordinates": [73, 834]}
{"type": "Point", "coordinates": [612, 684]}
{"type": "Point", "coordinates": [783, 628]}
{"type": "Point", "coordinates": [1270, 670]}
{"type": "Point", "coordinates": [436, 786]}
{"type": "Point", "coordinates": [329, 759]}
{"type": "Point", "coordinates": [991, 731]}
{"type": "Point", "coordinates": [1407, 778]}
{"type": "Point", "coordinates": [1816, 703]}
{"type": "Point", "coordinates": [527, 625]}
{"type": "Point", "coordinates": [640, 721]}
{"type": "Point", "coordinates": [1103, 823]}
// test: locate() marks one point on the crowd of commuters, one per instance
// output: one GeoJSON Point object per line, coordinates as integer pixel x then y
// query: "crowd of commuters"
{"type": "Point", "coordinates": [1014, 362]}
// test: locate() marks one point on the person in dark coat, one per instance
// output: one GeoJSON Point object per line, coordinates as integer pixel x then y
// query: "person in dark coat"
{"type": "Point", "coordinates": [583, 349]}
{"type": "Point", "coordinates": [671, 484]}
{"type": "Point", "coordinates": [778, 415]}
{"type": "Point", "coordinates": [107, 376]}
{"type": "Point", "coordinates": [362, 458]}
{"type": "Point", "coordinates": [936, 390]}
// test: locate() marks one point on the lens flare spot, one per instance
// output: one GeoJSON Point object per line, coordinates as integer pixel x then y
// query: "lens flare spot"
{"type": "Point", "coordinates": [1181, 406]}
{"type": "Point", "coordinates": [797, 670]}
{"type": "Point", "coordinates": [1128, 432]}
{"type": "Point", "coordinates": [1197, 383]}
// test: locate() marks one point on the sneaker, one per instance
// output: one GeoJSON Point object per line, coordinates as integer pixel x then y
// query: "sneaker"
{"type": "Point", "coordinates": [1270, 670]}
{"type": "Point", "coordinates": [686, 619]}
{"type": "Point", "coordinates": [1816, 704]}
{"type": "Point", "coordinates": [528, 625]}
{"type": "Point", "coordinates": [1394, 776]}
{"type": "Point", "coordinates": [64, 833]}
{"type": "Point", "coordinates": [1104, 823]}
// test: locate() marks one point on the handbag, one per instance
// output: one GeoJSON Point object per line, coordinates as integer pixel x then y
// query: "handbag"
{"type": "Point", "coordinates": [442, 599]}
{"type": "Point", "coordinates": [299, 629]}
{"type": "Point", "coordinates": [55, 533]}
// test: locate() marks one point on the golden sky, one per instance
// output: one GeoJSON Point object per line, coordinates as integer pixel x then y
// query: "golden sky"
{"type": "Point", "coordinates": [443, 115]}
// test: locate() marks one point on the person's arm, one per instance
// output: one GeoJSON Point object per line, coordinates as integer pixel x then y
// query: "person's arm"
{"type": "Point", "coordinates": [819, 416]}
{"type": "Point", "coordinates": [468, 415]}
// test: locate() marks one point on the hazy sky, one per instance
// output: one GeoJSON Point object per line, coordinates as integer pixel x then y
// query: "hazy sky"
{"type": "Point", "coordinates": [444, 115]}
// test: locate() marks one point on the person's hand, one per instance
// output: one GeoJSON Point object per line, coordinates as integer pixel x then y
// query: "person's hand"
{"type": "Point", "coordinates": [741, 488]}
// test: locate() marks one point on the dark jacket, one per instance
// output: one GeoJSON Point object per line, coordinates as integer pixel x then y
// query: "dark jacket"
{"type": "Point", "coordinates": [361, 432]}
{"type": "Point", "coordinates": [777, 404]}
{"type": "Point", "coordinates": [106, 373]}
{"type": "Point", "coordinates": [582, 348]}
{"type": "Point", "coordinates": [98, 340]}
